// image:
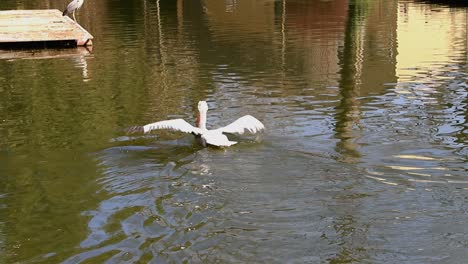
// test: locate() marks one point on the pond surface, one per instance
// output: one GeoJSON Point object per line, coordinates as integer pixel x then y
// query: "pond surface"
{"type": "Point", "coordinates": [364, 159]}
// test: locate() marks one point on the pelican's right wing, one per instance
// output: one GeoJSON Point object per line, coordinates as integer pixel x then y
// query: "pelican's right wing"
{"type": "Point", "coordinates": [174, 124]}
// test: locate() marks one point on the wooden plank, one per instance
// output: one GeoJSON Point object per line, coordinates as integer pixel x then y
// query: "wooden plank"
{"type": "Point", "coordinates": [40, 26]}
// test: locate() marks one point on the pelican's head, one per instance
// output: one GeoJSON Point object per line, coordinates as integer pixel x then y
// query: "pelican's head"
{"type": "Point", "coordinates": [202, 106]}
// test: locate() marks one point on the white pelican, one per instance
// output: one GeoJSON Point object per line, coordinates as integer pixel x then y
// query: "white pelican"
{"type": "Point", "coordinates": [215, 137]}
{"type": "Point", "coordinates": [72, 7]}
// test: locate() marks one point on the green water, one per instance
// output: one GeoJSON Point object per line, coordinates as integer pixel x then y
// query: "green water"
{"type": "Point", "coordinates": [364, 158]}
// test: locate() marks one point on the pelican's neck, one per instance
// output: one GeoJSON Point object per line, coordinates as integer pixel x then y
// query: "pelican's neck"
{"type": "Point", "coordinates": [201, 120]}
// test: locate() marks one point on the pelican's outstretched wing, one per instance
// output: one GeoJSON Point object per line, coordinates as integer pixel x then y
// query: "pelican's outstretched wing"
{"type": "Point", "coordinates": [173, 124]}
{"type": "Point", "coordinates": [242, 124]}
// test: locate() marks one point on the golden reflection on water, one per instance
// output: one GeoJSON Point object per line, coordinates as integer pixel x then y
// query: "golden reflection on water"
{"type": "Point", "coordinates": [406, 168]}
{"type": "Point", "coordinates": [419, 174]}
{"type": "Point", "coordinates": [416, 157]}
{"type": "Point", "coordinates": [428, 35]}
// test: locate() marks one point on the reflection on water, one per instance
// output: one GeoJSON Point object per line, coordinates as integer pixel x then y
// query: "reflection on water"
{"type": "Point", "coordinates": [363, 159]}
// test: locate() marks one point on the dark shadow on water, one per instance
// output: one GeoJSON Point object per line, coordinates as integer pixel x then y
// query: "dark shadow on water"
{"type": "Point", "coordinates": [449, 3]}
{"type": "Point", "coordinates": [39, 45]}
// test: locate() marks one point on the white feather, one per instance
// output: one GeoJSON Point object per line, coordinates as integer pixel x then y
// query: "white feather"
{"type": "Point", "coordinates": [245, 123]}
{"type": "Point", "coordinates": [174, 124]}
{"type": "Point", "coordinates": [213, 137]}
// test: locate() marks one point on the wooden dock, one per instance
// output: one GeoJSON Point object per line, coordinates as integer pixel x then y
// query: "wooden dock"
{"type": "Point", "coordinates": [20, 27]}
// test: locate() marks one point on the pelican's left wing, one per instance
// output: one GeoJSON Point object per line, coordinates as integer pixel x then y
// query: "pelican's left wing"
{"type": "Point", "coordinates": [173, 124]}
{"type": "Point", "coordinates": [245, 123]}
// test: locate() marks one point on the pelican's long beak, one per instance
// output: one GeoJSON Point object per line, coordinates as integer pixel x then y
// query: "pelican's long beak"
{"type": "Point", "coordinates": [201, 118]}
